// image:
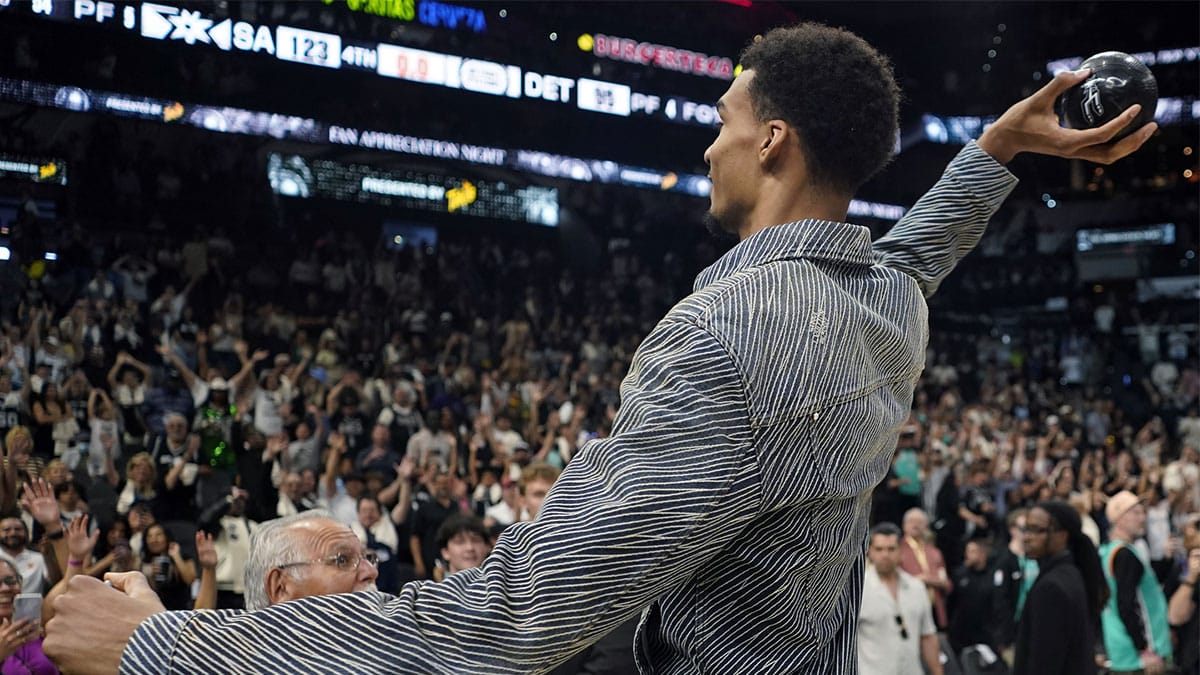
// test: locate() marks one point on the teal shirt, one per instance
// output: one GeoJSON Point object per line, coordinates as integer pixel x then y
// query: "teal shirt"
{"type": "Point", "coordinates": [1029, 574]}
{"type": "Point", "coordinates": [907, 466]}
{"type": "Point", "coordinates": [1153, 604]}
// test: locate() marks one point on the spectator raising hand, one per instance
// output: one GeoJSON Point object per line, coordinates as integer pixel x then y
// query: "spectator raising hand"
{"type": "Point", "coordinates": [80, 544]}
{"type": "Point", "coordinates": [206, 556]}
{"type": "Point", "coordinates": [39, 501]}
{"type": "Point", "coordinates": [79, 549]}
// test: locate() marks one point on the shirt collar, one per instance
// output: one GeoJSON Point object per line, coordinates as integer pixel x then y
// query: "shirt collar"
{"type": "Point", "coordinates": [1046, 564]}
{"type": "Point", "coordinates": [902, 578]}
{"type": "Point", "coordinates": [812, 239]}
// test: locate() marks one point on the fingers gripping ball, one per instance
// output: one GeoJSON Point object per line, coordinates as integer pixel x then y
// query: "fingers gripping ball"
{"type": "Point", "coordinates": [1118, 81]}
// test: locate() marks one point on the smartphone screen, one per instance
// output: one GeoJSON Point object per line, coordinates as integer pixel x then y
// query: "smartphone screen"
{"type": "Point", "coordinates": [27, 606]}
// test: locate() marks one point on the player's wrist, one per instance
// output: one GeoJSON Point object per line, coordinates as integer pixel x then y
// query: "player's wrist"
{"type": "Point", "coordinates": [995, 143]}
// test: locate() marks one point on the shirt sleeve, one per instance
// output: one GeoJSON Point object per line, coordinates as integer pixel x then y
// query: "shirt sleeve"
{"type": "Point", "coordinates": [1127, 572]}
{"type": "Point", "coordinates": [199, 391]}
{"type": "Point", "coordinates": [947, 222]}
{"type": "Point", "coordinates": [633, 516]}
{"type": "Point", "coordinates": [928, 627]}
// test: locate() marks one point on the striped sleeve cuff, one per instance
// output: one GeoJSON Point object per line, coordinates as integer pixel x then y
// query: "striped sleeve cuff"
{"type": "Point", "coordinates": [982, 175]}
{"type": "Point", "coordinates": [149, 650]}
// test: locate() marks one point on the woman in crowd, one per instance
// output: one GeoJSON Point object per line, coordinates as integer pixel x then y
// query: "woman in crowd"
{"type": "Point", "coordinates": [104, 447]}
{"type": "Point", "coordinates": [52, 420]}
{"type": "Point", "coordinates": [116, 555]}
{"type": "Point", "coordinates": [20, 641]}
{"type": "Point", "coordinates": [139, 482]}
{"type": "Point", "coordinates": [170, 574]}
{"type": "Point", "coordinates": [20, 465]}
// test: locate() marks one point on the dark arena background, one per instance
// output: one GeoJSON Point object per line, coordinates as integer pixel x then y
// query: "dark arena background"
{"type": "Point", "coordinates": [455, 221]}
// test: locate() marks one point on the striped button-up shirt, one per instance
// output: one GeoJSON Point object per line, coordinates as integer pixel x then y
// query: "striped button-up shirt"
{"type": "Point", "coordinates": [729, 506]}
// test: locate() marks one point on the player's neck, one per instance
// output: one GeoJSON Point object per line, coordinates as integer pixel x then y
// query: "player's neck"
{"type": "Point", "coordinates": [781, 202]}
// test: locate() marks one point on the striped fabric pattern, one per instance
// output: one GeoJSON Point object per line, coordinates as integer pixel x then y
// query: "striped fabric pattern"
{"type": "Point", "coordinates": [729, 507]}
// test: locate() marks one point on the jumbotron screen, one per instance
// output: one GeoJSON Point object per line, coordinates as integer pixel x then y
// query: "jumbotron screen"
{"type": "Point", "coordinates": [295, 176]}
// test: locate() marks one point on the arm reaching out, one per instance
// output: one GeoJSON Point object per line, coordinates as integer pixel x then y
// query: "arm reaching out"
{"type": "Point", "coordinates": [79, 547]}
{"type": "Point", "coordinates": [206, 555]}
{"type": "Point", "coordinates": [948, 221]}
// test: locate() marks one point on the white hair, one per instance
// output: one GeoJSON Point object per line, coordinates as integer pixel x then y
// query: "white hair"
{"type": "Point", "coordinates": [915, 511]}
{"type": "Point", "coordinates": [272, 545]}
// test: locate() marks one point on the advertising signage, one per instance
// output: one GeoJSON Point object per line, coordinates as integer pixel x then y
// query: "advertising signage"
{"type": "Point", "coordinates": [194, 29]}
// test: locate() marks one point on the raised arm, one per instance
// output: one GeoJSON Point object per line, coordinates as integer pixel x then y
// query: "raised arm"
{"type": "Point", "coordinates": [79, 554]}
{"type": "Point", "coordinates": [93, 399]}
{"type": "Point", "coordinates": [400, 491]}
{"type": "Point", "coordinates": [145, 370]}
{"type": "Point", "coordinates": [189, 378]}
{"type": "Point", "coordinates": [39, 501]}
{"type": "Point", "coordinates": [247, 369]}
{"type": "Point", "coordinates": [186, 567]}
{"type": "Point", "coordinates": [331, 399]}
{"type": "Point", "coordinates": [112, 372]}
{"type": "Point", "coordinates": [110, 468]}
{"type": "Point", "coordinates": [206, 555]}
{"type": "Point", "coordinates": [1182, 604]}
{"type": "Point", "coordinates": [337, 445]}
{"type": "Point", "coordinates": [948, 221]}
{"type": "Point", "coordinates": [298, 369]}
{"type": "Point", "coordinates": [318, 420]}
{"type": "Point", "coordinates": [202, 354]}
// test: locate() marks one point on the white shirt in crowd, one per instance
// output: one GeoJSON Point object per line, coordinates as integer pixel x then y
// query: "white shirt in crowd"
{"type": "Point", "coordinates": [31, 565]}
{"type": "Point", "coordinates": [883, 648]}
{"type": "Point", "coordinates": [233, 550]}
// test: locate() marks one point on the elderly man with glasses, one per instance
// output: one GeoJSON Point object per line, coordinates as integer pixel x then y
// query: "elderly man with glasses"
{"type": "Point", "coordinates": [895, 624]}
{"type": "Point", "coordinates": [310, 553]}
{"type": "Point", "coordinates": [298, 556]}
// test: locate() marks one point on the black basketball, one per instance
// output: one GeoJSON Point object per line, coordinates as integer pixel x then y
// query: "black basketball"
{"type": "Point", "coordinates": [1118, 80]}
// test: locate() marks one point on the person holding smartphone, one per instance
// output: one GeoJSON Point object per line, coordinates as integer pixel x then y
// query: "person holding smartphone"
{"type": "Point", "coordinates": [170, 574]}
{"type": "Point", "coordinates": [20, 627]}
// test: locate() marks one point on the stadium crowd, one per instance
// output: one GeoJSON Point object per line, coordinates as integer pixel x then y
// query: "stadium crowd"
{"type": "Point", "coordinates": [173, 391]}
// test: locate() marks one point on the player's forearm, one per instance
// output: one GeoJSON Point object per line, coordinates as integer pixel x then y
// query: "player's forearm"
{"type": "Point", "coordinates": [947, 221]}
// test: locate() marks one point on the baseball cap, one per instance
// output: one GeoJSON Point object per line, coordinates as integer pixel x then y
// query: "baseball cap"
{"type": "Point", "coordinates": [1119, 504]}
{"type": "Point", "coordinates": [218, 384]}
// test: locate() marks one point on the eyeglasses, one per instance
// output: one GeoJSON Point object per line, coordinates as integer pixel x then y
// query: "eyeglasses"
{"type": "Point", "coordinates": [11, 580]}
{"type": "Point", "coordinates": [344, 562]}
{"type": "Point", "coordinates": [1036, 529]}
{"type": "Point", "coordinates": [903, 629]}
